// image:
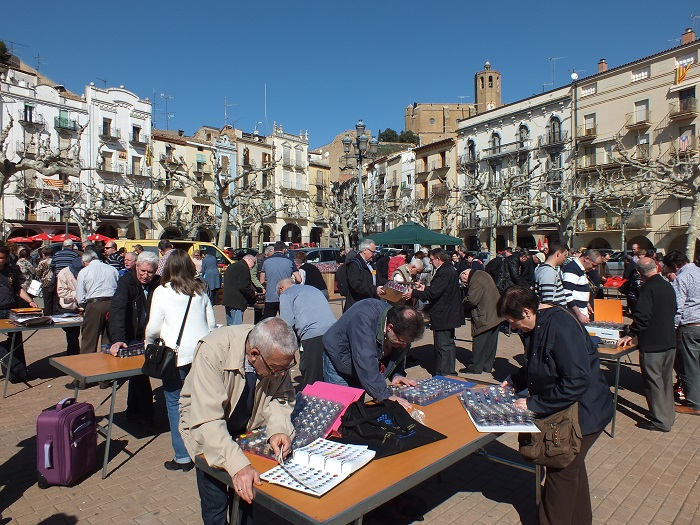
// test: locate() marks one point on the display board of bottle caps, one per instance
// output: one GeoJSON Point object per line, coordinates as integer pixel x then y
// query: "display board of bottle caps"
{"type": "Point", "coordinates": [430, 390]}
{"type": "Point", "coordinates": [492, 409]}
{"type": "Point", "coordinates": [313, 418]}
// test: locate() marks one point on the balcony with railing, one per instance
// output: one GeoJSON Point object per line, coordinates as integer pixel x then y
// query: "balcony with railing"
{"type": "Point", "coordinates": [139, 139]}
{"type": "Point", "coordinates": [287, 162]}
{"type": "Point", "coordinates": [473, 221]}
{"type": "Point", "coordinates": [319, 180]}
{"type": "Point", "coordinates": [117, 168]}
{"type": "Point", "coordinates": [31, 119]}
{"type": "Point", "coordinates": [110, 134]}
{"type": "Point", "coordinates": [393, 182]}
{"type": "Point", "coordinates": [593, 160]}
{"type": "Point", "coordinates": [439, 164]}
{"type": "Point", "coordinates": [137, 171]}
{"type": "Point", "coordinates": [553, 139]}
{"type": "Point", "coordinates": [440, 190]}
{"type": "Point", "coordinates": [26, 148]}
{"type": "Point", "coordinates": [65, 124]}
{"type": "Point", "coordinates": [500, 150]}
{"type": "Point", "coordinates": [292, 185]}
{"type": "Point", "coordinates": [638, 120]}
{"type": "Point", "coordinates": [299, 164]}
{"type": "Point", "coordinates": [468, 159]}
{"type": "Point", "coordinates": [683, 109]}
{"type": "Point", "coordinates": [586, 132]}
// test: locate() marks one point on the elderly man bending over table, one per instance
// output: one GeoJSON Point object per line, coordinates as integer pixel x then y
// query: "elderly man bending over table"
{"type": "Point", "coordinates": [239, 381]}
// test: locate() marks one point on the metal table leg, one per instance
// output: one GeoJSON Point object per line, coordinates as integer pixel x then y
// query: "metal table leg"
{"type": "Point", "coordinates": [617, 386]}
{"type": "Point", "coordinates": [109, 429]}
{"type": "Point", "coordinates": [9, 356]}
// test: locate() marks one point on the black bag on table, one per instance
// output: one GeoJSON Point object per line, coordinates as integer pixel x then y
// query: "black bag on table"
{"type": "Point", "coordinates": [384, 427]}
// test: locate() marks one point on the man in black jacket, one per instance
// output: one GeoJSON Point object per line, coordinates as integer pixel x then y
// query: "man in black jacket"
{"type": "Point", "coordinates": [238, 289]}
{"type": "Point", "coordinates": [361, 275]}
{"type": "Point", "coordinates": [445, 306]}
{"type": "Point", "coordinates": [128, 317]}
{"type": "Point", "coordinates": [653, 325]}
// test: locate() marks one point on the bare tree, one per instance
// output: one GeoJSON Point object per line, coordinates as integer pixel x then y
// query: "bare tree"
{"type": "Point", "coordinates": [40, 156]}
{"type": "Point", "coordinates": [341, 203]}
{"type": "Point", "coordinates": [676, 173]}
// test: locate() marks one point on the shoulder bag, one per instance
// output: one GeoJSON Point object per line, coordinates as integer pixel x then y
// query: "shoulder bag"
{"type": "Point", "coordinates": [559, 438]}
{"type": "Point", "coordinates": [159, 360]}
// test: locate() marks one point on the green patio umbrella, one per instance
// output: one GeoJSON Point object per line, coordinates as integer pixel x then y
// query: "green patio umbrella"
{"type": "Point", "coordinates": [413, 233]}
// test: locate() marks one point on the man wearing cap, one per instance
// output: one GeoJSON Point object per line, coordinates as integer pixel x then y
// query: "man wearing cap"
{"type": "Point", "coordinates": [361, 275]}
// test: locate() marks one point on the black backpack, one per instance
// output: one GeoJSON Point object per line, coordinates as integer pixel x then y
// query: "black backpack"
{"type": "Point", "coordinates": [342, 279]}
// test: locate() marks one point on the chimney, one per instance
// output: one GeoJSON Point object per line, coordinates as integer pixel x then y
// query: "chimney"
{"type": "Point", "coordinates": [180, 132]}
{"type": "Point", "coordinates": [688, 37]}
{"type": "Point", "coordinates": [602, 65]}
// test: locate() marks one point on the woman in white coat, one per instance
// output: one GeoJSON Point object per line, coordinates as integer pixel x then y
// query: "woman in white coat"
{"type": "Point", "coordinates": [168, 307]}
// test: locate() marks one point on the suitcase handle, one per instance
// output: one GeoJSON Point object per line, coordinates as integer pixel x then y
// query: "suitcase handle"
{"type": "Point", "coordinates": [47, 455]}
{"type": "Point", "coordinates": [63, 403]}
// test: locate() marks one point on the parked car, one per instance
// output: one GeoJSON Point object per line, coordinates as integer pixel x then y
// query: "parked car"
{"type": "Point", "coordinates": [239, 253]}
{"type": "Point", "coordinates": [317, 255]}
{"type": "Point", "coordinates": [616, 264]}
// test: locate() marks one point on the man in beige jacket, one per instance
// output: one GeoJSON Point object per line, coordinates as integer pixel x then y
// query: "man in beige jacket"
{"type": "Point", "coordinates": [239, 381]}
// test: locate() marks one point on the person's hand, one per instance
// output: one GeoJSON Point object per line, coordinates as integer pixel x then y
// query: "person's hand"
{"type": "Point", "coordinates": [280, 443]}
{"type": "Point", "coordinates": [243, 482]}
{"type": "Point", "coordinates": [403, 381]}
{"type": "Point", "coordinates": [625, 341]}
{"type": "Point", "coordinates": [581, 317]}
{"type": "Point", "coordinates": [521, 404]}
{"type": "Point", "coordinates": [420, 287]}
{"type": "Point", "coordinates": [381, 290]}
{"type": "Point", "coordinates": [505, 384]}
{"type": "Point", "coordinates": [590, 309]}
{"type": "Point", "coordinates": [401, 401]}
{"type": "Point", "coordinates": [32, 304]}
{"type": "Point", "coordinates": [114, 349]}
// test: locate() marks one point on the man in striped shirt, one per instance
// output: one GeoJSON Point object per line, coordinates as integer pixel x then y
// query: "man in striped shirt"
{"type": "Point", "coordinates": [576, 281]}
{"type": "Point", "coordinates": [549, 286]}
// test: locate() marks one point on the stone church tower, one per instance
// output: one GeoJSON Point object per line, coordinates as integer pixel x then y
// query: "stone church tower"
{"type": "Point", "coordinates": [487, 89]}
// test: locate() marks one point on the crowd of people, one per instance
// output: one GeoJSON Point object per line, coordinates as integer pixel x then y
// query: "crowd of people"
{"type": "Point", "coordinates": [236, 378]}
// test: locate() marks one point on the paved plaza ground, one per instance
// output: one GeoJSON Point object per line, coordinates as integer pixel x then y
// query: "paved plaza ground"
{"type": "Point", "coordinates": [636, 477]}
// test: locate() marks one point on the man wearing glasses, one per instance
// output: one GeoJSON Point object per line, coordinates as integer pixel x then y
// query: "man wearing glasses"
{"type": "Point", "coordinates": [113, 257]}
{"type": "Point", "coordinates": [361, 275]}
{"type": "Point", "coordinates": [239, 381]}
{"type": "Point", "coordinates": [369, 344]}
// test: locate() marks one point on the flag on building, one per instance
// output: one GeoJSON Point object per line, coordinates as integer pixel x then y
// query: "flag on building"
{"type": "Point", "coordinates": [682, 71]}
{"type": "Point", "coordinates": [58, 184]}
{"type": "Point", "coordinates": [149, 155]}
{"type": "Point", "coordinates": [684, 143]}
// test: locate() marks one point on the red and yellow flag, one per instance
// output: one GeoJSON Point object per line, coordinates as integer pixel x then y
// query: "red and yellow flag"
{"type": "Point", "coordinates": [682, 71]}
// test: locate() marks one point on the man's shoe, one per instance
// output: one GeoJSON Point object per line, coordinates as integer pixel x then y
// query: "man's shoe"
{"type": "Point", "coordinates": [76, 384]}
{"type": "Point", "coordinates": [648, 425]}
{"type": "Point", "coordinates": [469, 370]}
{"type": "Point", "coordinates": [105, 384]}
{"type": "Point", "coordinates": [174, 465]}
{"type": "Point", "coordinates": [683, 409]}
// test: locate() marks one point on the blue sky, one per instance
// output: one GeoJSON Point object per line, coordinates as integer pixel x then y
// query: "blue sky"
{"type": "Point", "coordinates": [328, 63]}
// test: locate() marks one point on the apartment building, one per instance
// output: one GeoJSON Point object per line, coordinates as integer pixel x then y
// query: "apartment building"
{"type": "Point", "coordinates": [648, 110]}
{"type": "Point", "coordinates": [47, 119]}
{"type": "Point", "coordinates": [436, 195]}
{"type": "Point", "coordinates": [320, 178]}
{"type": "Point", "coordinates": [527, 140]}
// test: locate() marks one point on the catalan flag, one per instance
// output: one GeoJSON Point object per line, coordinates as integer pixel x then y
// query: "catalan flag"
{"type": "Point", "coordinates": [149, 155]}
{"type": "Point", "coordinates": [682, 71]}
{"type": "Point", "coordinates": [58, 184]}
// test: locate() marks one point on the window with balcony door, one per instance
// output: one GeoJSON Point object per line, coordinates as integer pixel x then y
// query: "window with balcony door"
{"type": "Point", "coordinates": [136, 165]}
{"type": "Point", "coordinates": [495, 143]}
{"type": "Point", "coordinates": [589, 125]}
{"type": "Point", "coordinates": [64, 146]}
{"type": "Point", "coordinates": [471, 150]}
{"type": "Point", "coordinates": [588, 159]}
{"type": "Point", "coordinates": [641, 111]}
{"type": "Point", "coordinates": [30, 209]}
{"type": "Point", "coordinates": [136, 134]}
{"type": "Point", "coordinates": [686, 99]}
{"type": "Point", "coordinates": [107, 160]}
{"type": "Point", "coordinates": [686, 139]}
{"type": "Point", "coordinates": [523, 136]}
{"type": "Point", "coordinates": [554, 130]}
{"type": "Point", "coordinates": [286, 155]}
{"type": "Point", "coordinates": [106, 127]}
{"type": "Point", "coordinates": [28, 113]}
{"type": "Point", "coordinates": [643, 146]}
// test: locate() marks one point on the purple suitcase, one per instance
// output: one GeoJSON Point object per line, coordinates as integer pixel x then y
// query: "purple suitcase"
{"type": "Point", "coordinates": [66, 443]}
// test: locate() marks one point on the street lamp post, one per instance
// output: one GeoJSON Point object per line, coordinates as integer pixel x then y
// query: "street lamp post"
{"type": "Point", "coordinates": [360, 152]}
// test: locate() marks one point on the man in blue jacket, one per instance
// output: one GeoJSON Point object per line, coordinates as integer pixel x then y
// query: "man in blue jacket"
{"type": "Point", "coordinates": [369, 344]}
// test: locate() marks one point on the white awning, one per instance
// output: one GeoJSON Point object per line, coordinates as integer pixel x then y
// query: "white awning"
{"type": "Point", "coordinates": [683, 85]}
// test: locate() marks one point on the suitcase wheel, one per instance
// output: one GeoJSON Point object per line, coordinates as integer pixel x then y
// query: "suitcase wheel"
{"type": "Point", "coordinates": [41, 481]}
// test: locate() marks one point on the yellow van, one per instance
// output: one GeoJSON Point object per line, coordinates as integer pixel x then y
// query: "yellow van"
{"type": "Point", "coordinates": [151, 245]}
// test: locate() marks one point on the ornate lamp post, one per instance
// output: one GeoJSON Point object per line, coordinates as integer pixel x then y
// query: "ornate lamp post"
{"type": "Point", "coordinates": [360, 152]}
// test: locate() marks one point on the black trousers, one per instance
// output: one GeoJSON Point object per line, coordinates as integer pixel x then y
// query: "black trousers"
{"type": "Point", "coordinates": [566, 498]}
{"type": "Point", "coordinates": [271, 309]}
{"type": "Point", "coordinates": [311, 361]}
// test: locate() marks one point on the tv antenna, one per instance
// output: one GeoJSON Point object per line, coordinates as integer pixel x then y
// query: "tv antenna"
{"type": "Point", "coordinates": [553, 60]}
{"type": "Point", "coordinates": [168, 116]}
{"type": "Point", "coordinates": [693, 18]}
{"type": "Point", "coordinates": [12, 46]}
{"type": "Point", "coordinates": [462, 97]}
{"type": "Point", "coordinates": [103, 81]}
{"type": "Point", "coordinates": [39, 60]}
{"type": "Point", "coordinates": [226, 106]}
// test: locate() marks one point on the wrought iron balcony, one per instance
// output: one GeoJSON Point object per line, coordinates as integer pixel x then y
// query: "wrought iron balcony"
{"type": "Point", "coordinates": [26, 148]}
{"type": "Point", "coordinates": [440, 190]}
{"type": "Point", "coordinates": [468, 159]}
{"type": "Point", "coordinates": [139, 139]}
{"type": "Point", "coordinates": [499, 150]}
{"type": "Point", "coordinates": [683, 109]}
{"type": "Point", "coordinates": [31, 119]}
{"type": "Point", "coordinates": [110, 135]}
{"type": "Point", "coordinates": [588, 132]}
{"type": "Point", "coordinates": [638, 120]}
{"type": "Point", "coordinates": [65, 124]}
{"type": "Point", "coordinates": [553, 139]}
{"type": "Point", "coordinates": [112, 167]}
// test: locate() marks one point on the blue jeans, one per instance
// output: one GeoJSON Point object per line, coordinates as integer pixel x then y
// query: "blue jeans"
{"type": "Point", "coordinates": [171, 389]}
{"type": "Point", "coordinates": [689, 350]}
{"type": "Point", "coordinates": [215, 498]}
{"type": "Point", "coordinates": [233, 316]}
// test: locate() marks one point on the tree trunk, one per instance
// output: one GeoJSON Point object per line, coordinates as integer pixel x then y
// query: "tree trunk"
{"type": "Point", "coordinates": [515, 235]}
{"type": "Point", "coordinates": [224, 229]}
{"type": "Point", "coordinates": [693, 228]}
{"type": "Point", "coordinates": [137, 227]}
